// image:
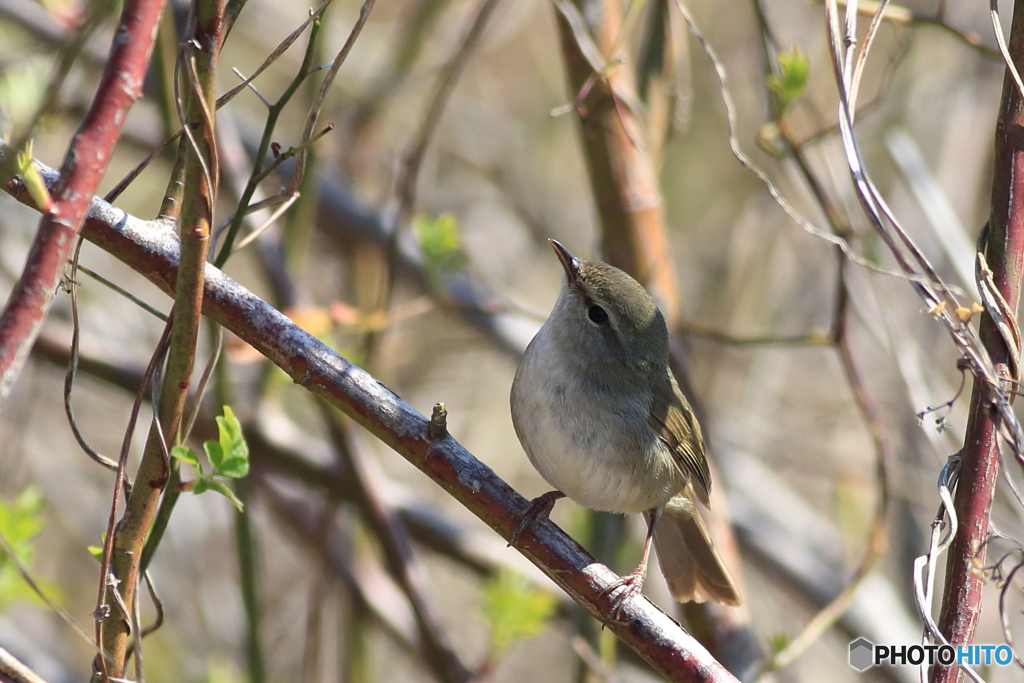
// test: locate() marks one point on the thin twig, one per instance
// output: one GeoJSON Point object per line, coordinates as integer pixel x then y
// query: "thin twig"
{"type": "Point", "coordinates": [13, 671]}
{"type": "Point", "coordinates": [281, 48]}
{"type": "Point", "coordinates": [69, 378]}
{"type": "Point", "coordinates": [102, 609]}
{"type": "Point", "coordinates": [412, 158]}
{"type": "Point", "coordinates": [748, 163]}
{"type": "Point", "coordinates": [705, 332]}
{"type": "Point", "coordinates": [1004, 51]}
{"type": "Point", "coordinates": [408, 175]}
{"type": "Point", "coordinates": [65, 616]}
{"type": "Point", "coordinates": [159, 315]}
{"type": "Point", "coordinates": [862, 57]}
{"type": "Point", "coordinates": [321, 95]}
{"type": "Point", "coordinates": [273, 113]}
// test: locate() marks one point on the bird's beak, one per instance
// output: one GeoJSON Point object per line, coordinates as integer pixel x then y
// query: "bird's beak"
{"type": "Point", "coordinates": [570, 263]}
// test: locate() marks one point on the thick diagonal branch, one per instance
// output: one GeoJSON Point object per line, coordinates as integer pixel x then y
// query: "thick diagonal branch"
{"type": "Point", "coordinates": [153, 251]}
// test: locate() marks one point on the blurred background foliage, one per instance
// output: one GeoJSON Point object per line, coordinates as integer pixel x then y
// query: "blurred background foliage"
{"type": "Point", "coordinates": [499, 177]}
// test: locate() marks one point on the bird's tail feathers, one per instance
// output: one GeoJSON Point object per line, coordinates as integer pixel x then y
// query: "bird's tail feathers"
{"type": "Point", "coordinates": [692, 567]}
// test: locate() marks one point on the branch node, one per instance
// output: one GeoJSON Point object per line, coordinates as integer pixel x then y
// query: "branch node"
{"type": "Point", "coordinates": [437, 428]}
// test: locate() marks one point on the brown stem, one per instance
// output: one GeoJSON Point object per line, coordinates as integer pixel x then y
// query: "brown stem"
{"type": "Point", "coordinates": [198, 59]}
{"type": "Point", "coordinates": [979, 468]}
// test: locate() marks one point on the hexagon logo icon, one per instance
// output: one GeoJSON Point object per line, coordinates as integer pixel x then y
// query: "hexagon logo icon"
{"type": "Point", "coordinates": [862, 654]}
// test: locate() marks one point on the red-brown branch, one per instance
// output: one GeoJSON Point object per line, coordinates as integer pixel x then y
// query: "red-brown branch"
{"type": "Point", "coordinates": [84, 165]}
{"type": "Point", "coordinates": [979, 468]}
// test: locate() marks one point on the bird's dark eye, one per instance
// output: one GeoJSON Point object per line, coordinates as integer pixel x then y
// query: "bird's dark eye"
{"type": "Point", "coordinates": [597, 315]}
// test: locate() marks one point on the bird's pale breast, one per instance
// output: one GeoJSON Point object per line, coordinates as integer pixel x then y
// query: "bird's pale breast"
{"type": "Point", "coordinates": [595, 448]}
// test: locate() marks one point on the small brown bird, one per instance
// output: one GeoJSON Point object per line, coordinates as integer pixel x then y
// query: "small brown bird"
{"type": "Point", "coordinates": [601, 417]}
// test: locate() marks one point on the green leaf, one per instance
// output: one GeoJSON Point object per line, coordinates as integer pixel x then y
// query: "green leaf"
{"type": "Point", "coordinates": [779, 642]}
{"type": "Point", "coordinates": [225, 490]}
{"type": "Point", "coordinates": [234, 451]}
{"type": "Point", "coordinates": [21, 521]}
{"type": "Point", "coordinates": [33, 181]}
{"type": "Point", "coordinates": [97, 550]}
{"type": "Point", "coordinates": [514, 610]}
{"type": "Point", "coordinates": [186, 454]}
{"type": "Point", "coordinates": [229, 457]}
{"type": "Point", "coordinates": [215, 453]}
{"type": "Point", "coordinates": [22, 89]}
{"type": "Point", "coordinates": [438, 236]}
{"type": "Point", "coordinates": [441, 244]}
{"type": "Point", "coordinates": [789, 83]}
{"type": "Point", "coordinates": [222, 671]}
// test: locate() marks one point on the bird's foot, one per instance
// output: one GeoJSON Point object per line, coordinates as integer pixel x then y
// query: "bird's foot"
{"type": "Point", "coordinates": [631, 585]}
{"type": "Point", "coordinates": [539, 508]}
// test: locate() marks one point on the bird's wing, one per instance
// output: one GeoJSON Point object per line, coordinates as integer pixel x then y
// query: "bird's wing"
{"type": "Point", "coordinates": [674, 422]}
